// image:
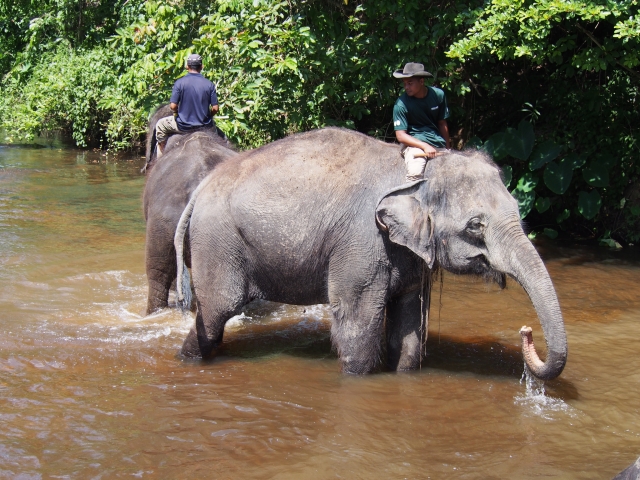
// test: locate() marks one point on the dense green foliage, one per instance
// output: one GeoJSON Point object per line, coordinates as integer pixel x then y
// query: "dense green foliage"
{"type": "Point", "coordinates": [549, 87]}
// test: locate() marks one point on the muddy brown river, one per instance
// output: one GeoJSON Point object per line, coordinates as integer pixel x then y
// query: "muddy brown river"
{"type": "Point", "coordinates": [90, 388]}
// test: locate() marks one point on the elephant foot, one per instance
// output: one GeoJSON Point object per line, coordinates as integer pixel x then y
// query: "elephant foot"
{"type": "Point", "coordinates": [195, 346]}
{"type": "Point", "coordinates": [151, 309]}
{"type": "Point", "coordinates": [359, 366]}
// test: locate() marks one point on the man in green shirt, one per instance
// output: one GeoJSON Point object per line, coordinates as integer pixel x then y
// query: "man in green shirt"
{"type": "Point", "coordinates": [420, 119]}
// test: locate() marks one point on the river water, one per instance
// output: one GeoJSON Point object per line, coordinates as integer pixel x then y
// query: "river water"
{"type": "Point", "coordinates": [90, 388]}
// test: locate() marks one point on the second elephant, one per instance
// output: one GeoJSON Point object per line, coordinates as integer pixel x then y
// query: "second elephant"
{"type": "Point", "coordinates": [169, 186]}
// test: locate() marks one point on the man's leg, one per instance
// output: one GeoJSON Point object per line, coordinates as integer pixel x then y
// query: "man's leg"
{"type": "Point", "coordinates": [415, 165]}
{"type": "Point", "coordinates": [165, 127]}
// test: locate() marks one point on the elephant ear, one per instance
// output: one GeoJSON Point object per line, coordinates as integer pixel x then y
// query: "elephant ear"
{"type": "Point", "coordinates": [408, 223]}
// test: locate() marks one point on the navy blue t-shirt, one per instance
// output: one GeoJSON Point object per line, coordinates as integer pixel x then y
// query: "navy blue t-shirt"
{"type": "Point", "coordinates": [194, 95]}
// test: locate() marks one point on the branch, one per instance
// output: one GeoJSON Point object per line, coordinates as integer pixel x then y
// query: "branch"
{"type": "Point", "coordinates": [594, 40]}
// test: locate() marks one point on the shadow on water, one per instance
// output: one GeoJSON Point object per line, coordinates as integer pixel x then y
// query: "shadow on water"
{"type": "Point", "coordinates": [488, 357]}
{"type": "Point", "coordinates": [260, 341]}
{"type": "Point", "coordinates": [483, 356]}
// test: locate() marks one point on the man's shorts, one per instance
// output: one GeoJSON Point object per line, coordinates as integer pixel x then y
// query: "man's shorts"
{"type": "Point", "coordinates": [165, 127]}
{"type": "Point", "coordinates": [415, 165]}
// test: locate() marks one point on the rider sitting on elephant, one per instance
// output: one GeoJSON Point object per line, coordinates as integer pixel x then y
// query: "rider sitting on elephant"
{"type": "Point", "coordinates": [420, 119]}
{"type": "Point", "coordinates": [194, 101]}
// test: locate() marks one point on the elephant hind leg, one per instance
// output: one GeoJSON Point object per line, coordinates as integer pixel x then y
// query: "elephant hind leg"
{"type": "Point", "coordinates": [357, 330]}
{"type": "Point", "coordinates": [214, 306]}
{"type": "Point", "coordinates": [405, 336]}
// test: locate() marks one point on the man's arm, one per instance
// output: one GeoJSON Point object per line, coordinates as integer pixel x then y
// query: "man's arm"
{"type": "Point", "coordinates": [174, 107]}
{"type": "Point", "coordinates": [443, 128]}
{"type": "Point", "coordinates": [403, 137]}
{"type": "Point", "coordinates": [214, 109]}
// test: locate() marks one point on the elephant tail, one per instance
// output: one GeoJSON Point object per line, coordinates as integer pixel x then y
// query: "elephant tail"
{"type": "Point", "coordinates": [183, 282]}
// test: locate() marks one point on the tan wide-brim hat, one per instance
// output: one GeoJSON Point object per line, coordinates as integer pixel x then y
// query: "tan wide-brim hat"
{"type": "Point", "coordinates": [412, 70]}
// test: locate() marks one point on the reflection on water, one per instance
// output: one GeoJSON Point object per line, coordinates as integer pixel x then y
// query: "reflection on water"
{"type": "Point", "coordinates": [90, 388]}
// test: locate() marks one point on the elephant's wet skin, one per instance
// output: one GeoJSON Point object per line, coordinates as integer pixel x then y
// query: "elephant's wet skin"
{"type": "Point", "coordinates": [324, 217]}
{"type": "Point", "coordinates": [187, 160]}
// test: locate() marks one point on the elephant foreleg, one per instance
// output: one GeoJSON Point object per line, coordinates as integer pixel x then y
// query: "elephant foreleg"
{"type": "Point", "coordinates": [357, 330]}
{"type": "Point", "coordinates": [405, 332]}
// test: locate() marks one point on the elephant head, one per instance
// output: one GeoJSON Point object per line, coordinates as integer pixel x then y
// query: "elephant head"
{"type": "Point", "coordinates": [462, 217]}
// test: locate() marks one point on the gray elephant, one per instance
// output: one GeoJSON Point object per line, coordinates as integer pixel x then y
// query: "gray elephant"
{"type": "Point", "coordinates": [325, 217]}
{"type": "Point", "coordinates": [187, 160]}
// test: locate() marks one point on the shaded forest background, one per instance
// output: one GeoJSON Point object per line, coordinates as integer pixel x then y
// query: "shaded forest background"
{"type": "Point", "coordinates": [548, 87]}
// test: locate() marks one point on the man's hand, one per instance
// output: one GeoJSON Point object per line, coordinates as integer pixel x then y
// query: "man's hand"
{"type": "Point", "coordinates": [430, 151]}
{"type": "Point", "coordinates": [403, 137]}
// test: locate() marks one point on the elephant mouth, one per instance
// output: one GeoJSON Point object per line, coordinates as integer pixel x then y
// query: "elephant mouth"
{"type": "Point", "coordinates": [477, 265]}
{"type": "Point", "coordinates": [480, 265]}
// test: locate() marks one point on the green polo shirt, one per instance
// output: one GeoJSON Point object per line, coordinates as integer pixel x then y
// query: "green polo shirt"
{"type": "Point", "coordinates": [419, 117]}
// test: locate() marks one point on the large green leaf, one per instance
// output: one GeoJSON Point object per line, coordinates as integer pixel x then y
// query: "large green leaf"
{"type": "Point", "coordinates": [543, 204]}
{"type": "Point", "coordinates": [520, 142]}
{"type": "Point", "coordinates": [543, 154]}
{"type": "Point", "coordinates": [589, 204]}
{"type": "Point", "coordinates": [557, 176]}
{"type": "Point", "coordinates": [575, 160]}
{"type": "Point", "coordinates": [507, 173]}
{"type": "Point", "coordinates": [525, 201]}
{"type": "Point", "coordinates": [596, 174]}
{"type": "Point", "coordinates": [527, 182]}
{"type": "Point", "coordinates": [496, 146]}
{"type": "Point", "coordinates": [474, 142]}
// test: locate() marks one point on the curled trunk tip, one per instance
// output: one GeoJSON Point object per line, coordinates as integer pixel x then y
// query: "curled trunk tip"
{"type": "Point", "coordinates": [529, 353]}
{"type": "Point", "coordinates": [542, 370]}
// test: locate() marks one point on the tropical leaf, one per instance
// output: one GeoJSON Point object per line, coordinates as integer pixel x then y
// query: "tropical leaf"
{"type": "Point", "coordinates": [496, 146]}
{"type": "Point", "coordinates": [543, 204]}
{"type": "Point", "coordinates": [543, 154]}
{"type": "Point", "coordinates": [507, 173]}
{"type": "Point", "coordinates": [589, 204]}
{"type": "Point", "coordinates": [474, 142]}
{"type": "Point", "coordinates": [519, 143]}
{"type": "Point", "coordinates": [527, 182]}
{"type": "Point", "coordinates": [596, 175]}
{"type": "Point", "coordinates": [557, 176]}
{"type": "Point", "coordinates": [575, 160]}
{"type": "Point", "coordinates": [525, 201]}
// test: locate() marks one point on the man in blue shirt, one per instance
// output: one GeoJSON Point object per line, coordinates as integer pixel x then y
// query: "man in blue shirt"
{"type": "Point", "coordinates": [194, 101]}
{"type": "Point", "coordinates": [420, 119]}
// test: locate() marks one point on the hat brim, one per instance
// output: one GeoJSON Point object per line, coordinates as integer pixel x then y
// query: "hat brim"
{"type": "Point", "coordinates": [400, 74]}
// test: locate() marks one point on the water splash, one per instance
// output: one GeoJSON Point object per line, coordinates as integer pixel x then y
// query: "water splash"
{"type": "Point", "coordinates": [536, 400]}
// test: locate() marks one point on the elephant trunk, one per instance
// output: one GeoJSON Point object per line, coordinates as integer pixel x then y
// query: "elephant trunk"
{"type": "Point", "coordinates": [522, 262]}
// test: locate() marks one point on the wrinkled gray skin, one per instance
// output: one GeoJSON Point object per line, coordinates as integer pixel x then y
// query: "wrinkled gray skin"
{"type": "Point", "coordinates": [186, 161]}
{"type": "Point", "coordinates": [325, 217]}
{"type": "Point", "coordinates": [632, 472]}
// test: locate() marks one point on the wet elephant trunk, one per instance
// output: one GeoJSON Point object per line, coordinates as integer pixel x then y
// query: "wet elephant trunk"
{"type": "Point", "coordinates": [523, 263]}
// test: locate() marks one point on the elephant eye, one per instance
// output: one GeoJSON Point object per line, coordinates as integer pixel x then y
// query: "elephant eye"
{"type": "Point", "coordinates": [475, 226]}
